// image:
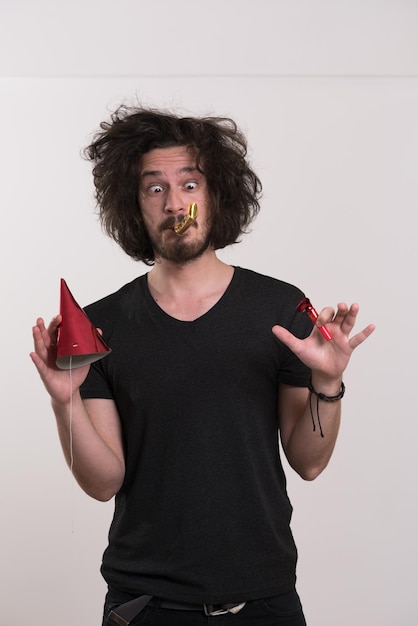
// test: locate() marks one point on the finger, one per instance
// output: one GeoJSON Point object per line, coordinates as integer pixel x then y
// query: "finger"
{"type": "Point", "coordinates": [39, 336]}
{"type": "Point", "coordinates": [325, 316]}
{"type": "Point", "coordinates": [286, 337]}
{"type": "Point", "coordinates": [39, 364]}
{"type": "Point", "coordinates": [54, 324]}
{"type": "Point", "coordinates": [43, 333]}
{"type": "Point", "coordinates": [45, 338]}
{"type": "Point", "coordinates": [342, 310]}
{"type": "Point", "coordinates": [49, 334]}
{"type": "Point", "coordinates": [349, 319]}
{"type": "Point", "coordinates": [361, 336]}
{"type": "Point", "coordinates": [42, 367]}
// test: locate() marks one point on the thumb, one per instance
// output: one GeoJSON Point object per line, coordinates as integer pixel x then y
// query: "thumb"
{"type": "Point", "coordinates": [286, 337]}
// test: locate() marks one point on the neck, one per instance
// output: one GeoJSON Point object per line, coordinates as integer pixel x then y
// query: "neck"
{"type": "Point", "coordinates": [190, 290]}
{"type": "Point", "coordinates": [170, 277]}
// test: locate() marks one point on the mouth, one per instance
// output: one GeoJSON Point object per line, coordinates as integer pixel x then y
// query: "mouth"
{"type": "Point", "coordinates": [181, 225]}
{"type": "Point", "coordinates": [168, 224]}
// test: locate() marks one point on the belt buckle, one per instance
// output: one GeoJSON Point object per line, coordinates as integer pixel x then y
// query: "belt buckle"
{"type": "Point", "coordinates": [210, 611]}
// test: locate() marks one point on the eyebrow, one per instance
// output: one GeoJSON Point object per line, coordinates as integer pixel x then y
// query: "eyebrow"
{"type": "Point", "coordinates": [183, 170]}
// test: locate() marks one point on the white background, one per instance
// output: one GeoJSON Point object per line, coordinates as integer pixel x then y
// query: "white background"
{"type": "Point", "coordinates": [327, 92]}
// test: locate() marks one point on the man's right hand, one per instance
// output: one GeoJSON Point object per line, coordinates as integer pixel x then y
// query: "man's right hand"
{"type": "Point", "coordinates": [60, 384]}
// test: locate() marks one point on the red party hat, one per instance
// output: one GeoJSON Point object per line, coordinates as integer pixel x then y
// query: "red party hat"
{"type": "Point", "coordinates": [79, 343]}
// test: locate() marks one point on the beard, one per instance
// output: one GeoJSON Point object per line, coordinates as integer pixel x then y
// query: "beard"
{"type": "Point", "coordinates": [180, 249]}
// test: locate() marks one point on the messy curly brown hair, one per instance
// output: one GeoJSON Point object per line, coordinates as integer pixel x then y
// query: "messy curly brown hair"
{"type": "Point", "coordinates": [116, 151]}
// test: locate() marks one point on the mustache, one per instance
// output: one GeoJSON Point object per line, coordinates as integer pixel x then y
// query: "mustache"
{"type": "Point", "coordinates": [171, 221]}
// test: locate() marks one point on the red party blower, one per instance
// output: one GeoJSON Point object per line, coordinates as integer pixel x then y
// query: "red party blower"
{"type": "Point", "coordinates": [305, 306]}
{"type": "Point", "coordinates": [79, 343]}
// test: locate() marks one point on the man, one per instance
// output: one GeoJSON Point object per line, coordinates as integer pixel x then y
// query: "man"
{"type": "Point", "coordinates": [208, 363]}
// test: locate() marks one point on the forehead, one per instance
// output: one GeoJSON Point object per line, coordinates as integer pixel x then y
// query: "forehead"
{"type": "Point", "coordinates": [175, 159]}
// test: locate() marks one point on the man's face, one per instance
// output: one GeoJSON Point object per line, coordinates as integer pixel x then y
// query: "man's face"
{"type": "Point", "coordinates": [169, 182]}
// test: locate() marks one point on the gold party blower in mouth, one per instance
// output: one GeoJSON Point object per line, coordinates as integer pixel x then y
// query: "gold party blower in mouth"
{"type": "Point", "coordinates": [187, 220]}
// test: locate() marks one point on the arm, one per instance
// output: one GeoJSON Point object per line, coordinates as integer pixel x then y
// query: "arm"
{"type": "Point", "coordinates": [90, 430]}
{"type": "Point", "coordinates": [309, 454]}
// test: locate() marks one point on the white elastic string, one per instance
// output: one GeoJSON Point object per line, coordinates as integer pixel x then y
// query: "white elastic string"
{"type": "Point", "coordinates": [71, 445]}
{"type": "Point", "coordinates": [71, 416]}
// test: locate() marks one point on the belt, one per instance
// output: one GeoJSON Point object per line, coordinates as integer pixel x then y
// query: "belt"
{"type": "Point", "coordinates": [126, 612]}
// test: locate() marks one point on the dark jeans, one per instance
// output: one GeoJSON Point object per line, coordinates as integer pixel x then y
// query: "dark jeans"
{"type": "Point", "coordinates": [283, 610]}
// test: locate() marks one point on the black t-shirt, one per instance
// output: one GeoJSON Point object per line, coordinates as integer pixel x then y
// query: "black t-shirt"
{"type": "Point", "coordinates": [203, 515]}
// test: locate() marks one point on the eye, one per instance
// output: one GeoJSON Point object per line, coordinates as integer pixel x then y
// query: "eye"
{"type": "Point", "coordinates": [191, 185]}
{"type": "Point", "coordinates": [155, 189]}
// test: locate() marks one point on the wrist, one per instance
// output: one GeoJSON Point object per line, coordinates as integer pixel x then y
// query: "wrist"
{"type": "Point", "coordinates": [324, 397]}
{"type": "Point", "coordinates": [325, 385]}
{"type": "Point", "coordinates": [61, 405]}
{"type": "Point", "coordinates": [327, 397]}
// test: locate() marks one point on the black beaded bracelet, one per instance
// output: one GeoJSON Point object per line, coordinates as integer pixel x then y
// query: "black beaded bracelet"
{"type": "Point", "coordinates": [325, 398]}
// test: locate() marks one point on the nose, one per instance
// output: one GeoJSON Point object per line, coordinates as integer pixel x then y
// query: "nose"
{"type": "Point", "coordinates": [174, 203]}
